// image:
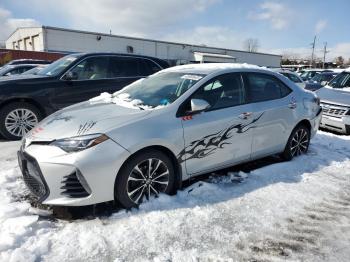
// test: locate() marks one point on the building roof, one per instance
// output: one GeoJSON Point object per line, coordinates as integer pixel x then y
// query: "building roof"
{"type": "Point", "coordinates": [143, 39]}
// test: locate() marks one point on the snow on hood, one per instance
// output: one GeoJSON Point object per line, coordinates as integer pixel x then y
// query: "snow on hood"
{"type": "Point", "coordinates": [334, 95]}
{"type": "Point", "coordinates": [85, 118]}
{"type": "Point", "coordinates": [122, 100]}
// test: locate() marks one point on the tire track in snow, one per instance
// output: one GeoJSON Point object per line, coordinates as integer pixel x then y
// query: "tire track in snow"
{"type": "Point", "coordinates": [308, 231]}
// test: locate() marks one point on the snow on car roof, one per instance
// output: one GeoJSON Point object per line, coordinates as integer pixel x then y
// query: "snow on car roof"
{"type": "Point", "coordinates": [212, 67]}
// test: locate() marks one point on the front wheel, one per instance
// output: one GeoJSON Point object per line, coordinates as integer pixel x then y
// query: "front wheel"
{"type": "Point", "coordinates": [298, 143]}
{"type": "Point", "coordinates": [17, 119]}
{"type": "Point", "coordinates": [145, 175]}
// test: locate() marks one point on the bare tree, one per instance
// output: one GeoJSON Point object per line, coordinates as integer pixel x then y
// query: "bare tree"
{"type": "Point", "coordinates": [251, 45]}
{"type": "Point", "coordinates": [339, 61]}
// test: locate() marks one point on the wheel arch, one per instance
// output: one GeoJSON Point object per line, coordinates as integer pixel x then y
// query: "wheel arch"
{"type": "Point", "coordinates": [166, 151]}
{"type": "Point", "coordinates": [304, 122]}
{"type": "Point", "coordinates": [25, 100]}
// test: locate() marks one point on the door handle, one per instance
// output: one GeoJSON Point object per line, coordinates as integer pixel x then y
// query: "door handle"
{"type": "Point", "coordinates": [292, 105]}
{"type": "Point", "coordinates": [245, 115]}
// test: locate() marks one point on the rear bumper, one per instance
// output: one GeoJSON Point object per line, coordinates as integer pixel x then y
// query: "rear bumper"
{"type": "Point", "coordinates": [338, 124]}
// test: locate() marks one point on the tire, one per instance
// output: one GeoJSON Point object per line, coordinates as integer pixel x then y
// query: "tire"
{"type": "Point", "coordinates": [294, 148]}
{"type": "Point", "coordinates": [133, 184]}
{"type": "Point", "coordinates": [26, 115]}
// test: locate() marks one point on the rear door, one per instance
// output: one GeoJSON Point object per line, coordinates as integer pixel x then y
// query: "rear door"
{"type": "Point", "coordinates": [221, 135]}
{"type": "Point", "coordinates": [274, 102]}
{"type": "Point", "coordinates": [124, 70]}
{"type": "Point", "coordinates": [90, 79]}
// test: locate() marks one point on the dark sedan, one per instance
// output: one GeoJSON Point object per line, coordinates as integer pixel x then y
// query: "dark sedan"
{"type": "Point", "coordinates": [26, 99]}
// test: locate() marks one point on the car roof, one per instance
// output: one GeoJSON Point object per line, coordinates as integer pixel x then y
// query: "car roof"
{"type": "Point", "coordinates": [315, 69]}
{"type": "Point", "coordinates": [161, 62]}
{"type": "Point", "coordinates": [329, 73]}
{"type": "Point", "coordinates": [213, 67]}
{"type": "Point", "coordinates": [21, 65]}
{"type": "Point", "coordinates": [281, 70]}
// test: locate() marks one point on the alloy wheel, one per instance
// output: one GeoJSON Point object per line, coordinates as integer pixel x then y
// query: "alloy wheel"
{"type": "Point", "coordinates": [148, 178]}
{"type": "Point", "coordinates": [299, 143]}
{"type": "Point", "coordinates": [20, 121]}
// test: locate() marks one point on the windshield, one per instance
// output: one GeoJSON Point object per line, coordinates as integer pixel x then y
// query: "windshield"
{"type": "Point", "coordinates": [4, 70]}
{"type": "Point", "coordinates": [58, 66]}
{"type": "Point", "coordinates": [341, 81]}
{"type": "Point", "coordinates": [292, 77]}
{"type": "Point", "coordinates": [32, 71]}
{"type": "Point", "coordinates": [318, 78]}
{"type": "Point", "coordinates": [158, 90]}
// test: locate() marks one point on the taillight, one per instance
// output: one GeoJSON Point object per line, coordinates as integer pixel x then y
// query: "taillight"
{"type": "Point", "coordinates": [317, 100]}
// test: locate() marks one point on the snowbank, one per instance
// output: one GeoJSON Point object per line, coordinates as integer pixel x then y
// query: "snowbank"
{"type": "Point", "coordinates": [296, 210]}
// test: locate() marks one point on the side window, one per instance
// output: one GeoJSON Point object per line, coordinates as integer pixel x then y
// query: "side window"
{"type": "Point", "coordinates": [91, 68]}
{"type": "Point", "coordinates": [263, 87]}
{"type": "Point", "coordinates": [153, 67]}
{"type": "Point", "coordinates": [123, 67]}
{"type": "Point", "coordinates": [13, 72]}
{"type": "Point", "coordinates": [223, 91]}
{"type": "Point", "coordinates": [144, 69]}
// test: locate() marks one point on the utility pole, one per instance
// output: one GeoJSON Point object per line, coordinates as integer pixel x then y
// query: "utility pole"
{"type": "Point", "coordinates": [325, 51]}
{"type": "Point", "coordinates": [313, 52]}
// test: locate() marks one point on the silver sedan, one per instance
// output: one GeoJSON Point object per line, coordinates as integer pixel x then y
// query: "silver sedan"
{"type": "Point", "coordinates": [181, 122]}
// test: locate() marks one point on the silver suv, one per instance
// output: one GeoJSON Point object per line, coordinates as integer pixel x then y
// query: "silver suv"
{"type": "Point", "coordinates": [335, 101]}
{"type": "Point", "coordinates": [181, 122]}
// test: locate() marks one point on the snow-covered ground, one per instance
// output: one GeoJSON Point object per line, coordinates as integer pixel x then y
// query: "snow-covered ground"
{"type": "Point", "coordinates": [295, 211]}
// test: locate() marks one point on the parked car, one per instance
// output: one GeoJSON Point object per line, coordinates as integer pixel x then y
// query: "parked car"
{"type": "Point", "coordinates": [28, 61]}
{"type": "Point", "coordinates": [10, 70]}
{"type": "Point", "coordinates": [319, 80]}
{"type": "Point", "coordinates": [310, 73]}
{"type": "Point", "coordinates": [26, 99]}
{"type": "Point", "coordinates": [181, 122]}
{"type": "Point", "coordinates": [335, 101]}
{"type": "Point", "coordinates": [291, 76]}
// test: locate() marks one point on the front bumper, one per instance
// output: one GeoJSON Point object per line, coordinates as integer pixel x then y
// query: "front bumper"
{"type": "Point", "coordinates": [72, 179]}
{"type": "Point", "coordinates": [338, 124]}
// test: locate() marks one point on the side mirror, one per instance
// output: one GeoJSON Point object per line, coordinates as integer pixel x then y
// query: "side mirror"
{"type": "Point", "coordinates": [323, 83]}
{"type": "Point", "coordinates": [199, 105]}
{"type": "Point", "coordinates": [69, 76]}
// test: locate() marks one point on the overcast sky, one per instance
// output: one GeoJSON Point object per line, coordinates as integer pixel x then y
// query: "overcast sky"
{"type": "Point", "coordinates": [280, 26]}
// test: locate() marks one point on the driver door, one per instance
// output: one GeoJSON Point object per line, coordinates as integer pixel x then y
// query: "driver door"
{"type": "Point", "coordinates": [222, 135]}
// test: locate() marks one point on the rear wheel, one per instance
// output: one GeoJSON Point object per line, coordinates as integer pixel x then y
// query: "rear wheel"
{"type": "Point", "coordinates": [17, 119]}
{"type": "Point", "coordinates": [145, 175]}
{"type": "Point", "coordinates": [298, 143]}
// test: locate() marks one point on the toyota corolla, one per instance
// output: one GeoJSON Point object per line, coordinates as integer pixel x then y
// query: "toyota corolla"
{"type": "Point", "coordinates": [146, 139]}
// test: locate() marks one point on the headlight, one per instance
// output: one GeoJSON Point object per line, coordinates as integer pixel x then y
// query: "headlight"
{"type": "Point", "coordinates": [74, 144]}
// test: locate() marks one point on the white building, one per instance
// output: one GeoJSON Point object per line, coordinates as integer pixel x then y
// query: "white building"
{"type": "Point", "coordinates": [53, 39]}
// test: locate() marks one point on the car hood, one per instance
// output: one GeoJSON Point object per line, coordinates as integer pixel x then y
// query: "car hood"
{"type": "Point", "coordinates": [83, 119]}
{"type": "Point", "coordinates": [334, 96]}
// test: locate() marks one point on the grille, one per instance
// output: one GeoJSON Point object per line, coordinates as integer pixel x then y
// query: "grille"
{"type": "Point", "coordinates": [333, 110]}
{"type": "Point", "coordinates": [72, 187]}
{"type": "Point", "coordinates": [32, 177]}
